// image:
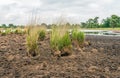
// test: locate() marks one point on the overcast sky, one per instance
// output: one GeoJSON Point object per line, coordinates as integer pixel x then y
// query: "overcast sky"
{"type": "Point", "coordinates": [19, 11]}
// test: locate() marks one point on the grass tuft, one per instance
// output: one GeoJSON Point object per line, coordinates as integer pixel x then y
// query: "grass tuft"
{"type": "Point", "coordinates": [60, 39]}
{"type": "Point", "coordinates": [42, 33]}
{"type": "Point", "coordinates": [31, 40]}
{"type": "Point", "coordinates": [78, 37]}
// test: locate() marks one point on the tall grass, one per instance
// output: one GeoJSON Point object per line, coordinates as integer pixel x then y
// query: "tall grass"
{"type": "Point", "coordinates": [77, 36]}
{"type": "Point", "coordinates": [60, 38]}
{"type": "Point", "coordinates": [34, 33]}
{"type": "Point", "coordinates": [42, 33]}
{"type": "Point", "coordinates": [64, 41]}
{"type": "Point", "coordinates": [54, 38]}
{"type": "Point", "coordinates": [31, 40]}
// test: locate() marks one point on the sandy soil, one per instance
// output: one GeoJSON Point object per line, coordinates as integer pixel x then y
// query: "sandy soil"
{"type": "Point", "coordinates": [99, 59]}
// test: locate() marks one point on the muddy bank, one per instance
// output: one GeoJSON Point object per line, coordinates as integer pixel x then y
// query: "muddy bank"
{"type": "Point", "coordinates": [100, 59]}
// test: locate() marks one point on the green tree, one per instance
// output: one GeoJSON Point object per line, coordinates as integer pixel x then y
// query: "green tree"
{"type": "Point", "coordinates": [11, 26]}
{"type": "Point", "coordinates": [90, 23]}
{"type": "Point", "coordinates": [68, 24]}
{"type": "Point", "coordinates": [106, 23]}
{"type": "Point", "coordinates": [96, 23]}
{"type": "Point", "coordinates": [83, 25]}
{"type": "Point", "coordinates": [3, 26]}
{"type": "Point", "coordinates": [44, 24]}
{"type": "Point", "coordinates": [114, 21]}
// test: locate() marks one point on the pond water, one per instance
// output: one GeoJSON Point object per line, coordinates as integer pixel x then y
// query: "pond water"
{"type": "Point", "coordinates": [101, 32]}
{"type": "Point", "coordinates": [92, 32]}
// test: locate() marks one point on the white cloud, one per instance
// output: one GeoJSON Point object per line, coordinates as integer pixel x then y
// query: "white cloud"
{"type": "Point", "coordinates": [5, 2]}
{"type": "Point", "coordinates": [93, 5]}
{"type": "Point", "coordinates": [17, 11]}
{"type": "Point", "coordinates": [108, 1]}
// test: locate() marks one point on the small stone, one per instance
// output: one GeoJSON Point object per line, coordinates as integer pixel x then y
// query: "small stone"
{"type": "Point", "coordinates": [57, 53]}
{"type": "Point", "coordinates": [118, 68]}
{"type": "Point", "coordinates": [86, 43]}
{"type": "Point", "coordinates": [37, 67]}
{"type": "Point", "coordinates": [92, 68]}
{"type": "Point", "coordinates": [79, 49]}
{"type": "Point", "coordinates": [1, 70]}
{"type": "Point", "coordinates": [10, 57]}
{"type": "Point", "coordinates": [106, 69]}
{"type": "Point", "coordinates": [94, 50]}
{"type": "Point", "coordinates": [101, 49]}
{"type": "Point", "coordinates": [83, 48]}
{"type": "Point", "coordinates": [17, 56]}
{"type": "Point", "coordinates": [43, 66]}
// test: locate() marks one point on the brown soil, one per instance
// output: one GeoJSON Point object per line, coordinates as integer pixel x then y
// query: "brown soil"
{"type": "Point", "coordinates": [99, 58]}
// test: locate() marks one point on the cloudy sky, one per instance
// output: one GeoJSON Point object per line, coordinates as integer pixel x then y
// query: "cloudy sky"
{"type": "Point", "coordinates": [20, 11]}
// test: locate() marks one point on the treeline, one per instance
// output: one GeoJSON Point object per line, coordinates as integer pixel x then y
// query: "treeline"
{"type": "Point", "coordinates": [10, 26]}
{"type": "Point", "coordinates": [49, 26]}
{"type": "Point", "coordinates": [110, 22]}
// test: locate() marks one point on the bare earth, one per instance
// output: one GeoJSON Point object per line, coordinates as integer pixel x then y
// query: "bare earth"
{"type": "Point", "coordinates": [99, 59]}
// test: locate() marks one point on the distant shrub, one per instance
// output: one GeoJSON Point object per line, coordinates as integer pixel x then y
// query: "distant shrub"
{"type": "Point", "coordinates": [3, 33]}
{"type": "Point", "coordinates": [19, 31]}
{"type": "Point", "coordinates": [16, 31]}
{"type": "Point", "coordinates": [41, 35]}
{"type": "Point", "coordinates": [8, 31]}
{"type": "Point", "coordinates": [81, 37]}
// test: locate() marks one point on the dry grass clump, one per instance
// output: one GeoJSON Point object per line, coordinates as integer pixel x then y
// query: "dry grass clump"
{"type": "Point", "coordinates": [34, 34]}
{"type": "Point", "coordinates": [31, 40]}
{"type": "Point", "coordinates": [19, 31]}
